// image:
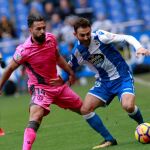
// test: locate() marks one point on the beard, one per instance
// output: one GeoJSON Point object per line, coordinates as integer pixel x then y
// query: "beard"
{"type": "Point", "coordinates": [86, 43]}
{"type": "Point", "coordinates": [40, 39]}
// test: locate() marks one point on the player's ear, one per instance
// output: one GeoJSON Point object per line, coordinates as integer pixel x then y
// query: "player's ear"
{"type": "Point", "coordinates": [30, 30]}
{"type": "Point", "coordinates": [74, 33]}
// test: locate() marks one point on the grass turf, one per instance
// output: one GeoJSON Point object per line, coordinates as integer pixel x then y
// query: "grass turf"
{"type": "Point", "coordinates": [65, 130]}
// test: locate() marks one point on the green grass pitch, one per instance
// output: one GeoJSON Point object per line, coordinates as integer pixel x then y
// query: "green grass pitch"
{"type": "Point", "coordinates": [65, 130]}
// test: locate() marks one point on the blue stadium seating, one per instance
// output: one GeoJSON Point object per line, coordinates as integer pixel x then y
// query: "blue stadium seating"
{"type": "Point", "coordinates": [99, 6]}
{"type": "Point", "coordinates": [21, 12]}
{"type": "Point", "coordinates": [4, 8]}
{"type": "Point", "coordinates": [116, 10]}
{"type": "Point", "coordinates": [8, 48]}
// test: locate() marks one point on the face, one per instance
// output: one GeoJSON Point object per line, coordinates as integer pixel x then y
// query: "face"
{"type": "Point", "coordinates": [37, 31]}
{"type": "Point", "coordinates": [84, 35]}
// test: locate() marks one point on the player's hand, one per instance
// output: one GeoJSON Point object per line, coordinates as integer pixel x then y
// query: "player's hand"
{"type": "Point", "coordinates": [142, 51]}
{"type": "Point", "coordinates": [56, 81]}
{"type": "Point", "coordinates": [72, 79]}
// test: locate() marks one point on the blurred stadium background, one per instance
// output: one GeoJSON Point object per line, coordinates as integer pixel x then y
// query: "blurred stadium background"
{"type": "Point", "coordinates": [62, 129]}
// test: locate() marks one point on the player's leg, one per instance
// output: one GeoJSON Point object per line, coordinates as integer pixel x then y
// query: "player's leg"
{"type": "Point", "coordinates": [39, 108]}
{"type": "Point", "coordinates": [69, 99]}
{"type": "Point", "coordinates": [36, 115]}
{"type": "Point", "coordinates": [98, 96]}
{"type": "Point", "coordinates": [127, 98]}
{"type": "Point", "coordinates": [90, 103]}
{"type": "Point", "coordinates": [128, 104]}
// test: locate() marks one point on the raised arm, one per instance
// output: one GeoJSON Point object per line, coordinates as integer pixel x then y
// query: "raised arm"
{"type": "Point", "coordinates": [108, 37]}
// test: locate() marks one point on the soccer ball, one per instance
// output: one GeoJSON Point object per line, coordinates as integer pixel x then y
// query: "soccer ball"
{"type": "Point", "coordinates": [142, 133]}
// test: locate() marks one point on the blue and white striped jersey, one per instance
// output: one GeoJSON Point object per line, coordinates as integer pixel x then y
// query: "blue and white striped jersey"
{"type": "Point", "coordinates": [101, 56]}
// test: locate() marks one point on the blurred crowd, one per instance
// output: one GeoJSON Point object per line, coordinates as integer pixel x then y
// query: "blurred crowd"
{"type": "Point", "coordinates": [60, 16]}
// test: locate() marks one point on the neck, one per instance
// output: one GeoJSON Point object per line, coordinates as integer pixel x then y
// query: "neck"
{"type": "Point", "coordinates": [34, 41]}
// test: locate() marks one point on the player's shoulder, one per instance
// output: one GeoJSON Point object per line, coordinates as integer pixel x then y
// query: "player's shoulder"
{"type": "Point", "coordinates": [26, 45]}
{"type": "Point", "coordinates": [50, 36]}
{"type": "Point", "coordinates": [103, 36]}
{"type": "Point", "coordinates": [22, 49]}
{"type": "Point", "coordinates": [100, 32]}
{"type": "Point", "coordinates": [76, 50]}
{"type": "Point", "coordinates": [20, 53]}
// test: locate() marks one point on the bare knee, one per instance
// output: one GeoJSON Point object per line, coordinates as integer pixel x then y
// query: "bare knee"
{"type": "Point", "coordinates": [128, 108]}
{"type": "Point", "coordinates": [36, 113]}
{"type": "Point", "coordinates": [90, 104]}
{"type": "Point", "coordinates": [128, 102]}
{"type": "Point", "coordinates": [84, 110]}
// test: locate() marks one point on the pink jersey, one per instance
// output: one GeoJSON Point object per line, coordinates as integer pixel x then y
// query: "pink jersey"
{"type": "Point", "coordinates": [39, 60]}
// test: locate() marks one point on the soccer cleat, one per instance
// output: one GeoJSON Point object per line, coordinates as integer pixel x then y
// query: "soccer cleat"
{"type": "Point", "coordinates": [2, 133]}
{"type": "Point", "coordinates": [105, 144]}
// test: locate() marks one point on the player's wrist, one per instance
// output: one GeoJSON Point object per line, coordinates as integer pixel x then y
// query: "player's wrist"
{"type": "Point", "coordinates": [61, 79]}
{"type": "Point", "coordinates": [71, 73]}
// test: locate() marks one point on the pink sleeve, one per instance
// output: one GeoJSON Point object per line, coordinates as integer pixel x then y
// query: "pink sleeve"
{"type": "Point", "coordinates": [55, 41]}
{"type": "Point", "coordinates": [20, 55]}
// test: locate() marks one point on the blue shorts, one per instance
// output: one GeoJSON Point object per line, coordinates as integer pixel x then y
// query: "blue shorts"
{"type": "Point", "coordinates": [106, 91]}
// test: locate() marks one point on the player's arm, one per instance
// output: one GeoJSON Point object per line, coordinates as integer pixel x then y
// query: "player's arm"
{"type": "Point", "coordinates": [69, 74]}
{"type": "Point", "coordinates": [7, 73]}
{"type": "Point", "coordinates": [108, 37]}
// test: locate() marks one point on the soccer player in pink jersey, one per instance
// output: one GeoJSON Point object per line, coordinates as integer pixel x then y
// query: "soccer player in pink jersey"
{"type": "Point", "coordinates": [40, 56]}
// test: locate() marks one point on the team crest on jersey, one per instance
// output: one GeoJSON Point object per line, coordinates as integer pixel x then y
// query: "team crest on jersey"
{"type": "Point", "coordinates": [18, 57]}
{"type": "Point", "coordinates": [96, 59]}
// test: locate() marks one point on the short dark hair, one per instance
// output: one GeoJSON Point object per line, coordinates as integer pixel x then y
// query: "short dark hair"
{"type": "Point", "coordinates": [81, 22]}
{"type": "Point", "coordinates": [34, 17]}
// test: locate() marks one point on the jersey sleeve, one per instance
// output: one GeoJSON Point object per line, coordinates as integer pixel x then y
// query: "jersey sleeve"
{"type": "Point", "coordinates": [20, 55]}
{"type": "Point", "coordinates": [53, 39]}
{"type": "Point", "coordinates": [73, 64]}
{"type": "Point", "coordinates": [107, 38]}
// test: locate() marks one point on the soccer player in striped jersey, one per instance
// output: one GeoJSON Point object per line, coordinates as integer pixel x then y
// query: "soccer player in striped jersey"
{"type": "Point", "coordinates": [113, 76]}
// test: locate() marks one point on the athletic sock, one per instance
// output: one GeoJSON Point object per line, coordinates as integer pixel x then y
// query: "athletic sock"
{"type": "Point", "coordinates": [96, 123]}
{"type": "Point", "coordinates": [29, 137]}
{"type": "Point", "coordinates": [136, 115]}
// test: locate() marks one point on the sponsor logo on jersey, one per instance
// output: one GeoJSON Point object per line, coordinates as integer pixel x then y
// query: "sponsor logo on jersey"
{"type": "Point", "coordinates": [96, 59]}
